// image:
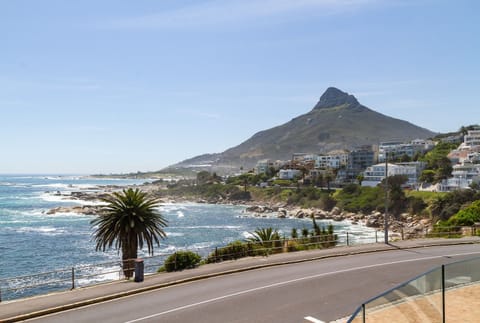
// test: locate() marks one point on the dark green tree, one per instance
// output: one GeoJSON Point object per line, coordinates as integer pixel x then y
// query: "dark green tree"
{"type": "Point", "coordinates": [360, 178]}
{"type": "Point", "coordinates": [428, 176]}
{"type": "Point", "coordinates": [397, 198]}
{"type": "Point", "coordinates": [128, 221]}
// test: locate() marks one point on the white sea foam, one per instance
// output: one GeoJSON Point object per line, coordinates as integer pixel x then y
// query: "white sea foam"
{"type": "Point", "coordinates": [180, 214]}
{"type": "Point", "coordinates": [202, 245]}
{"type": "Point", "coordinates": [228, 227]}
{"type": "Point", "coordinates": [102, 274]}
{"type": "Point", "coordinates": [44, 230]}
{"type": "Point", "coordinates": [172, 207]}
{"type": "Point", "coordinates": [168, 249]}
{"type": "Point", "coordinates": [65, 197]}
{"type": "Point", "coordinates": [174, 234]}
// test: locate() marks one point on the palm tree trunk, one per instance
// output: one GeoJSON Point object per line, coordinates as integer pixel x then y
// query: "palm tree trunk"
{"type": "Point", "coordinates": [129, 254]}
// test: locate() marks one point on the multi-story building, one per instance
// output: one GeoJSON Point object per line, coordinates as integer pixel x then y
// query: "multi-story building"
{"type": "Point", "coordinates": [396, 149]}
{"type": "Point", "coordinates": [288, 173]}
{"type": "Point", "coordinates": [374, 175]}
{"type": "Point", "coordinates": [358, 160]}
{"type": "Point", "coordinates": [472, 138]}
{"type": "Point", "coordinates": [333, 161]}
{"type": "Point", "coordinates": [264, 166]}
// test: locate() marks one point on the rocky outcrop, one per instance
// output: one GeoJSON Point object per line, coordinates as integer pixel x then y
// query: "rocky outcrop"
{"type": "Point", "coordinates": [85, 209]}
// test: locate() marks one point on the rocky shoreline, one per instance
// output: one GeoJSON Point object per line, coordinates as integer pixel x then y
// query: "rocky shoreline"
{"type": "Point", "coordinates": [407, 226]}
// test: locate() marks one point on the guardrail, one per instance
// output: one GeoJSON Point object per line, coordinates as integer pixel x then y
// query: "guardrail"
{"type": "Point", "coordinates": [87, 275]}
{"type": "Point", "coordinates": [428, 297]}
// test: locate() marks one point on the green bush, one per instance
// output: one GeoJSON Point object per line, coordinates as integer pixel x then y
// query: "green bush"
{"type": "Point", "coordinates": [466, 217]}
{"type": "Point", "coordinates": [181, 260]}
{"type": "Point", "coordinates": [360, 199]}
{"type": "Point", "coordinates": [233, 251]}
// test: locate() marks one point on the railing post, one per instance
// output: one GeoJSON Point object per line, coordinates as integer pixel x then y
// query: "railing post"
{"type": "Point", "coordinates": [376, 236]}
{"type": "Point", "coordinates": [73, 277]}
{"type": "Point", "coordinates": [216, 254]}
{"type": "Point", "coordinates": [364, 315]}
{"type": "Point", "coordinates": [0, 295]}
{"type": "Point", "coordinates": [443, 293]}
{"type": "Point", "coordinates": [348, 242]}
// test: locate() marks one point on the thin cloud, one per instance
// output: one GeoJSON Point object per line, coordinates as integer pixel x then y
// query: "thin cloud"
{"type": "Point", "coordinates": [214, 13]}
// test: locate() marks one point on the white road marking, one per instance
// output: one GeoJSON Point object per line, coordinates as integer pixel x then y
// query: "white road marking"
{"type": "Point", "coordinates": [313, 320]}
{"type": "Point", "coordinates": [289, 282]}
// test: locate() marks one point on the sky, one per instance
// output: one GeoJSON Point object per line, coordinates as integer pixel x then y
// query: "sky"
{"type": "Point", "coordinates": [116, 86]}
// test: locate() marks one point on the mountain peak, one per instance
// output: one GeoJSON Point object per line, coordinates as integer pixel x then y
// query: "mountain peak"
{"type": "Point", "coordinates": [334, 97]}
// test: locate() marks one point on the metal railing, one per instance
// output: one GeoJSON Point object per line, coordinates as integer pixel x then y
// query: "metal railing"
{"type": "Point", "coordinates": [87, 275]}
{"type": "Point", "coordinates": [427, 297]}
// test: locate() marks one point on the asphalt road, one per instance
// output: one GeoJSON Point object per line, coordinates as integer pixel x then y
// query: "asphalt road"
{"type": "Point", "coordinates": [323, 290]}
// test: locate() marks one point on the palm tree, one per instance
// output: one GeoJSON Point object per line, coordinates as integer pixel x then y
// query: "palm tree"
{"type": "Point", "coordinates": [266, 237]}
{"type": "Point", "coordinates": [128, 220]}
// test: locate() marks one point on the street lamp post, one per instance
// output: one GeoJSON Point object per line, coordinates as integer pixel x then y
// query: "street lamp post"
{"type": "Point", "coordinates": [385, 217]}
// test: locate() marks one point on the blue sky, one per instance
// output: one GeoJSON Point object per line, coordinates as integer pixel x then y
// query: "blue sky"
{"type": "Point", "coordinates": [119, 86]}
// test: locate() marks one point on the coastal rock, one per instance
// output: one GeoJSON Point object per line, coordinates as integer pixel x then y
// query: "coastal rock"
{"type": "Point", "coordinates": [282, 213]}
{"type": "Point", "coordinates": [372, 222]}
{"type": "Point", "coordinates": [338, 218]}
{"type": "Point", "coordinates": [335, 211]}
{"type": "Point", "coordinates": [320, 215]}
{"type": "Point", "coordinates": [259, 209]}
{"type": "Point", "coordinates": [300, 214]}
{"type": "Point", "coordinates": [85, 209]}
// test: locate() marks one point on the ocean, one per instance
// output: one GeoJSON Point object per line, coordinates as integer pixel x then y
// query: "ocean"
{"type": "Point", "coordinates": [32, 241]}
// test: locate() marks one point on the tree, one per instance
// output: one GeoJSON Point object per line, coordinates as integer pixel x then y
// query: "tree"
{"type": "Point", "coordinates": [328, 178]}
{"type": "Point", "coordinates": [397, 199]}
{"type": "Point", "coordinates": [428, 176]}
{"type": "Point", "coordinates": [444, 170]}
{"type": "Point", "coordinates": [128, 220]}
{"type": "Point", "coordinates": [360, 178]}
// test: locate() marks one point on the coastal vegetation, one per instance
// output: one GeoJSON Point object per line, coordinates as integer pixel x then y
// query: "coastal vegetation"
{"type": "Point", "coordinates": [180, 260]}
{"type": "Point", "coordinates": [266, 241]}
{"type": "Point", "coordinates": [128, 221]}
{"type": "Point", "coordinates": [434, 207]}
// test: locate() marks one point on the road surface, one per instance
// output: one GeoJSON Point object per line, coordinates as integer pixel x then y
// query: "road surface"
{"type": "Point", "coordinates": [316, 291]}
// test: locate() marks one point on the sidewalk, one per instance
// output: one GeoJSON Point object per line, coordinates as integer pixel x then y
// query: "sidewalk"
{"type": "Point", "coordinates": [22, 309]}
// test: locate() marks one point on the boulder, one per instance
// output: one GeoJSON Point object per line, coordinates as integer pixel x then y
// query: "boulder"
{"type": "Point", "coordinates": [338, 218]}
{"type": "Point", "coordinates": [335, 211]}
{"type": "Point", "coordinates": [300, 214]}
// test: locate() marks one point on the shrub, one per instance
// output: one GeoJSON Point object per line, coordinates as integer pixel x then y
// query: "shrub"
{"type": "Point", "coordinates": [467, 216]}
{"type": "Point", "coordinates": [182, 260]}
{"type": "Point", "coordinates": [233, 251]}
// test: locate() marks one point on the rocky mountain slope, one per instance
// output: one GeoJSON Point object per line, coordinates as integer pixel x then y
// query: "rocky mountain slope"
{"type": "Point", "coordinates": [338, 121]}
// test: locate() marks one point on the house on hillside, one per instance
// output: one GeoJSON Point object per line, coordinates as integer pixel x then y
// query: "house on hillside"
{"type": "Point", "coordinates": [263, 166]}
{"type": "Point", "coordinates": [358, 161]}
{"type": "Point", "coordinates": [288, 173]}
{"type": "Point", "coordinates": [396, 149]}
{"type": "Point", "coordinates": [374, 175]}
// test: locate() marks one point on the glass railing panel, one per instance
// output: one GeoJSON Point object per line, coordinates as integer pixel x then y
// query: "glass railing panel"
{"type": "Point", "coordinates": [462, 283]}
{"type": "Point", "coordinates": [419, 300]}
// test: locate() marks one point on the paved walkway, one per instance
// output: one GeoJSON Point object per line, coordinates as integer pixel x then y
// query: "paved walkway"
{"type": "Point", "coordinates": [22, 309]}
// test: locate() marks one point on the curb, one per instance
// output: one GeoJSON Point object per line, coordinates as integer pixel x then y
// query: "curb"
{"type": "Point", "coordinates": [106, 298]}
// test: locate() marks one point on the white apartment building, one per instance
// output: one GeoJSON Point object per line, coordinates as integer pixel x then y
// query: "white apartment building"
{"type": "Point", "coordinates": [398, 149]}
{"type": "Point", "coordinates": [331, 161]}
{"type": "Point", "coordinates": [471, 139]}
{"type": "Point", "coordinates": [374, 175]}
{"type": "Point", "coordinates": [288, 173]}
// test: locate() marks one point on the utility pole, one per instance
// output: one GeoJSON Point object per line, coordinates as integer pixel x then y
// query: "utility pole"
{"type": "Point", "coordinates": [385, 219]}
